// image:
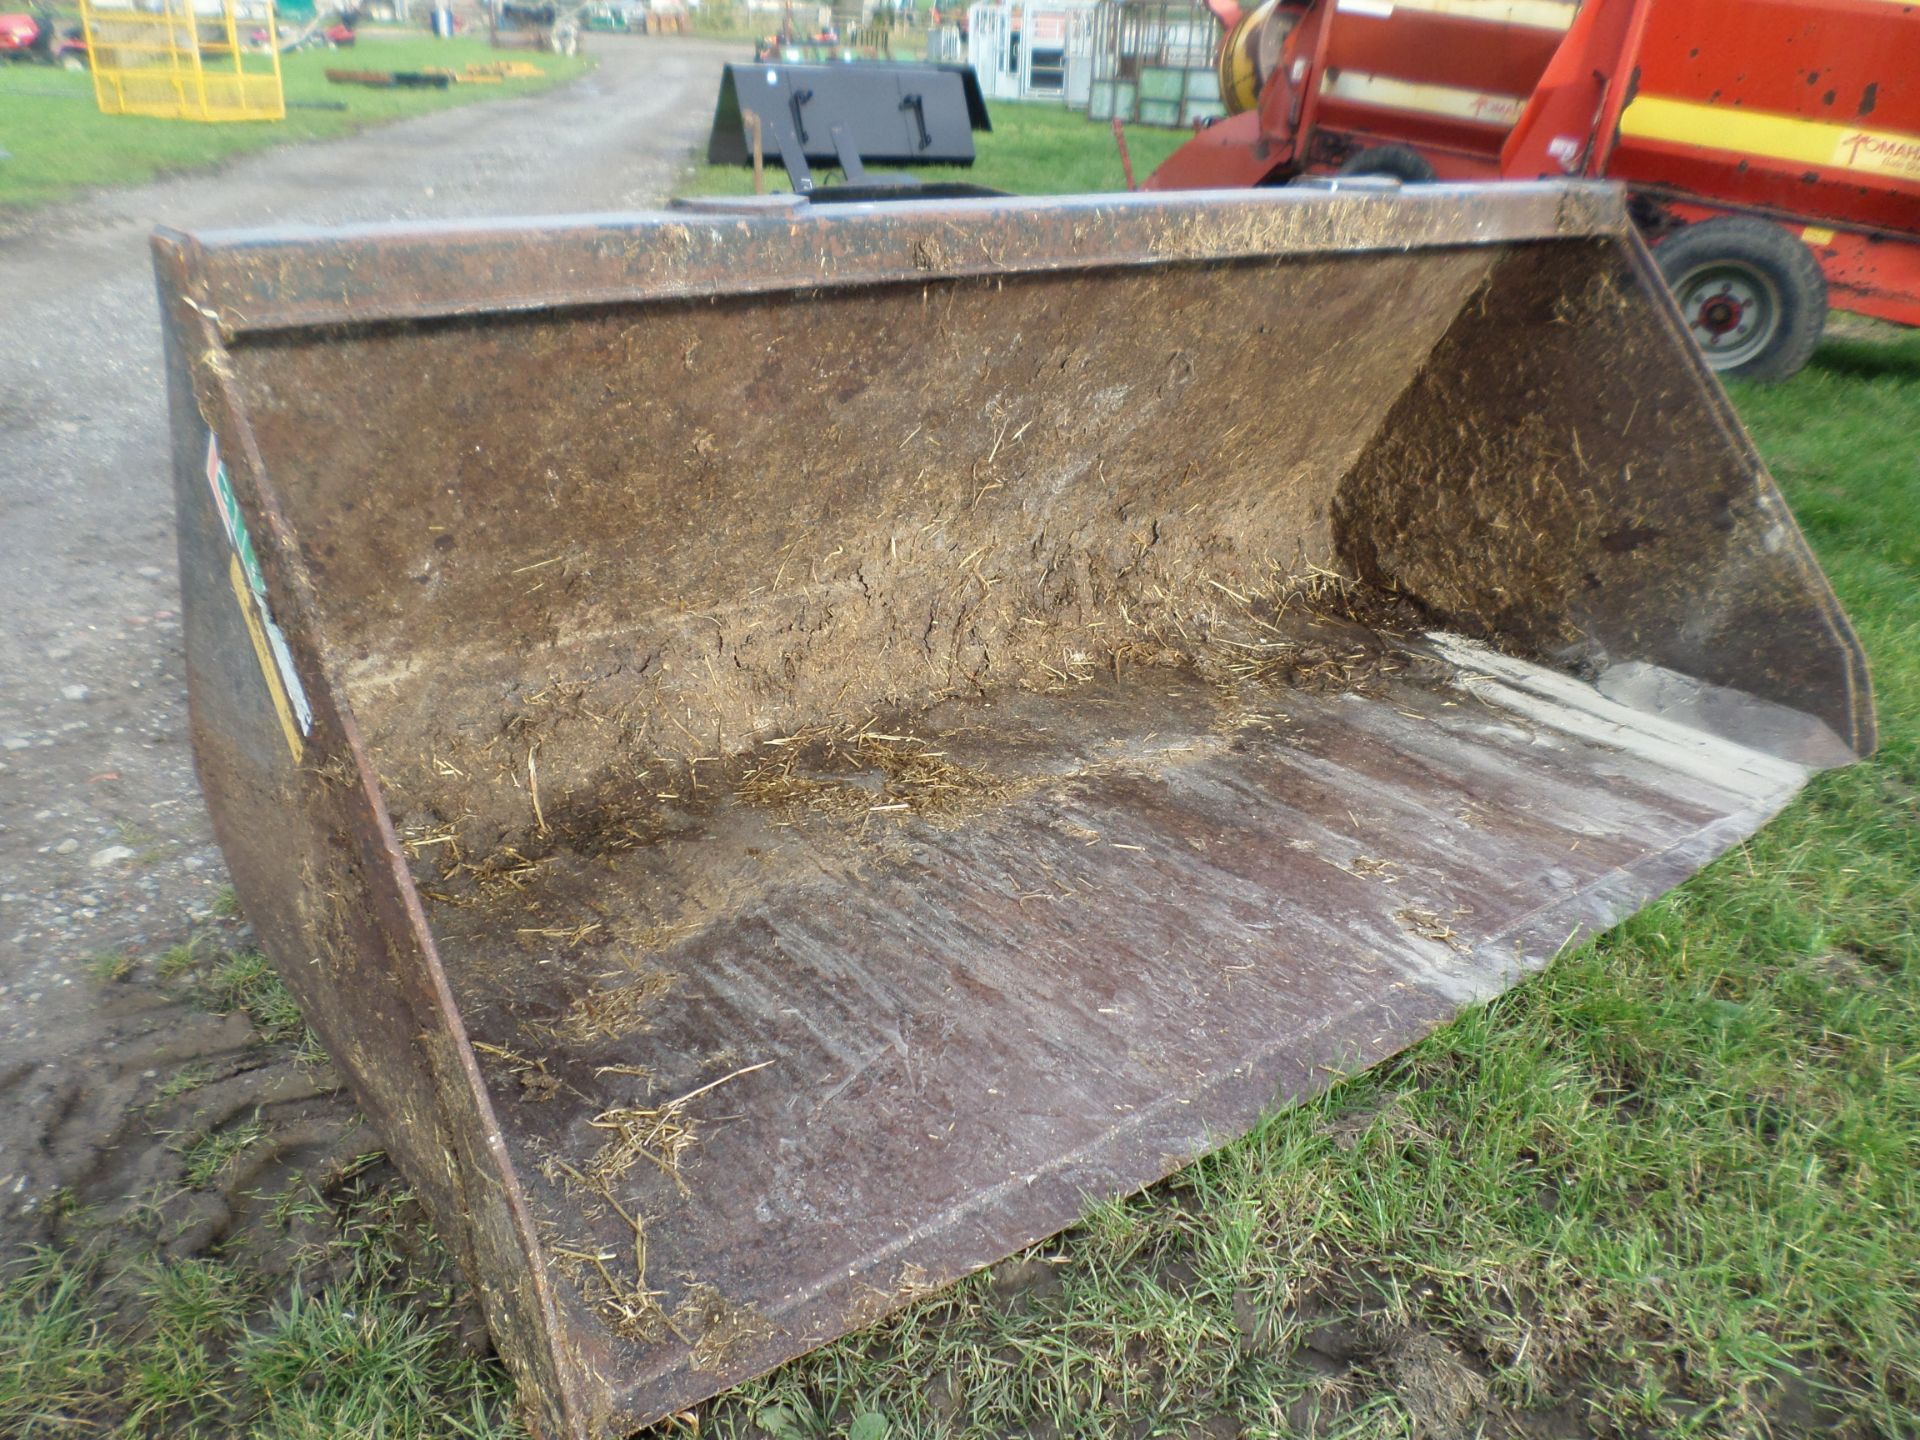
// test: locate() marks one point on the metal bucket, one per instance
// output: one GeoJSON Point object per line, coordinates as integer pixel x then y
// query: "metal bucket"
{"type": "Point", "coordinates": [785, 754]}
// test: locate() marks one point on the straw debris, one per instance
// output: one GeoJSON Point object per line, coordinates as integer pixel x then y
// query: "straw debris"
{"type": "Point", "coordinates": [609, 791]}
{"type": "Point", "coordinates": [536, 1081]}
{"type": "Point", "coordinates": [1602, 298]}
{"type": "Point", "coordinates": [1373, 868]}
{"type": "Point", "coordinates": [661, 1134]}
{"type": "Point", "coordinates": [506, 869]}
{"type": "Point", "coordinates": [726, 1330]}
{"type": "Point", "coordinates": [848, 774]}
{"type": "Point", "coordinates": [628, 1307]}
{"type": "Point", "coordinates": [1310, 629]}
{"type": "Point", "coordinates": [1430, 926]}
{"type": "Point", "coordinates": [418, 840]}
{"type": "Point", "coordinates": [1316, 667]}
{"type": "Point", "coordinates": [608, 1014]}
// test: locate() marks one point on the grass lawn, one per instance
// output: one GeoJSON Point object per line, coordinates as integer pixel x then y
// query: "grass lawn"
{"type": "Point", "coordinates": [1670, 1187]}
{"type": "Point", "coordinates": [1033, 149]}
{"type": "Point", "coordinates": [60, 142]}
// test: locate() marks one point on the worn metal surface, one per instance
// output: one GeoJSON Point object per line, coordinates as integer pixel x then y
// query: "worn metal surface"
{"type": "Point", "coordinates": [830, 853]}
{"type": "Point", "coordinates": [260, 280]}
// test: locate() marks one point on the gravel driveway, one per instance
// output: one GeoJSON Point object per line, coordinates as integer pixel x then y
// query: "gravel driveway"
{"type": "Point", "coordinates": [104, 842]}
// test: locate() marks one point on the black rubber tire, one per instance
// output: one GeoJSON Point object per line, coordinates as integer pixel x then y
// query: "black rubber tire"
{"type": "Point", "coordinates": [1402, 162]}
{"type": "Point", "coordinates": [1740, 256]}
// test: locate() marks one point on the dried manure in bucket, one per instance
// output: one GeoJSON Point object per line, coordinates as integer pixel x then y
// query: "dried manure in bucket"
{"type": "Point", "coordinates": [785, 754]}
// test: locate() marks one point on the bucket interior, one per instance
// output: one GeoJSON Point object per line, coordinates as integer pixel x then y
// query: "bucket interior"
{"type": "Point", "coordinates": [884, 765]}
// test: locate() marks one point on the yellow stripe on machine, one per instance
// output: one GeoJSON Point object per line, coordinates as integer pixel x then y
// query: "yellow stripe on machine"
{"type": "Point", "coordinates": [1524, 14]}
{"type": "Point", "coordinates": [281, 706]}
{"type": "Point", "coordinates": [1777, 137]}
{"type": "Point", "coordinates": [1448, 100]}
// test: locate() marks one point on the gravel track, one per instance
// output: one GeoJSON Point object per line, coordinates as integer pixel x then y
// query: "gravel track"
{"type": "Point", "coordinates": [104, 841]}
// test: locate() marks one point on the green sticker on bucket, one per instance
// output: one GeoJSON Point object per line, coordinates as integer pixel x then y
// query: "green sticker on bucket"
{"type": "Point", "coordinates": [235, 524]}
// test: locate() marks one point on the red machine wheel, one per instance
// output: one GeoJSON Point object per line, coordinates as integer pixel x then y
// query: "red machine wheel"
{"type": "Point", "coordinates": [1752, 295]}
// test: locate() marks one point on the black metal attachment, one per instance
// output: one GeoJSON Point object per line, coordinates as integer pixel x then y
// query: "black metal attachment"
{"type": "Point", "coordinates": [891, 114]}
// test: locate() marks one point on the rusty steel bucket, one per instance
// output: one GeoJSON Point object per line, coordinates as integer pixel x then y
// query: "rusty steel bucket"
{"type": "Point", "coordinates": [785, 754]}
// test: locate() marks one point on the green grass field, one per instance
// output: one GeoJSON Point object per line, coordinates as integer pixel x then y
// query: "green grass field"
{"type": "Point", "coordinates": [1670, 1187]}
{"type": "Point", "coordinates": [60, 142]}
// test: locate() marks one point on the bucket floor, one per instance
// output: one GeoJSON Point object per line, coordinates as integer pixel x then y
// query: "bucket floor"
{"type": "Point", "coordinates": [1144, 910]}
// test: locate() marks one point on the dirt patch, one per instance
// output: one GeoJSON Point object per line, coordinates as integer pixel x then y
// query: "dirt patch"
{"type": "Point", "coordinates": [187, 1127]}
{"type": "Point", "coordinates": [216, 1150]}
{"type": "Point", "coordinates": [1443, 1394]}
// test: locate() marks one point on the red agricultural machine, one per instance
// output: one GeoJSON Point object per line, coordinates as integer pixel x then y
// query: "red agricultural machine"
{"type": "Point", "coordinates": [36, 37]}
{"type": "Point", "coordinates": [1771, 148]}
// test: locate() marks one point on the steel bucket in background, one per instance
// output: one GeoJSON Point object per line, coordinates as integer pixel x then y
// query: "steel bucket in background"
{"type": "Point", "coordinates": [785, 754]}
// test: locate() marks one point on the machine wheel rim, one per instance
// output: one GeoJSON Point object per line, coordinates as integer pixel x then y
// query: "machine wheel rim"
{"type": "Point", "coordinates": [1732, 311]}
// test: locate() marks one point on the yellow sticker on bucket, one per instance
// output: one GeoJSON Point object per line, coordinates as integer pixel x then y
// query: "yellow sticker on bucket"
{"type": "Point", "coordinates": [243, 593]}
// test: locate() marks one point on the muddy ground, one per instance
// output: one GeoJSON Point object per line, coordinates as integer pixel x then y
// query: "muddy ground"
{"type": "Point", "coordinates": [104, 843]}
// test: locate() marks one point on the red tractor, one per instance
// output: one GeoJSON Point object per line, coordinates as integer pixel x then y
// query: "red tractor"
{"type": "Point", "coordinates": [1771, 147]}
{"type": "Point", "coordinates": [35, 37]}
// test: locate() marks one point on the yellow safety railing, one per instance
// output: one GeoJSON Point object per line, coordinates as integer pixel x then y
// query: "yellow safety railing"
{"type": "Point", "coordinates": [183, 59]}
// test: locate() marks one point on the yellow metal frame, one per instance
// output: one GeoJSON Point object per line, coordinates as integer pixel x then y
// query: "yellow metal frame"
{"type": "Point", "coordinates": [181, 60]}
